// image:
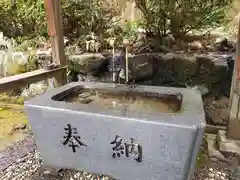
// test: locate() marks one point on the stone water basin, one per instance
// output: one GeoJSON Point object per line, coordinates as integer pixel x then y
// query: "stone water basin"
{"type": "Point", "coordinates": [128, 101]}
{"type": "Point", "coordinates": [143, 133]}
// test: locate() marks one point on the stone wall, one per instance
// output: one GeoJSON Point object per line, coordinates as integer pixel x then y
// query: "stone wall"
{"type": "Point", "coordinates": [214, 71]}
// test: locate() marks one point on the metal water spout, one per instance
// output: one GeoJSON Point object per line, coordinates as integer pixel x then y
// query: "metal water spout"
{"type": "Point", "coordinates": [112, 43]}
{"type": "Point", "coordinates": [126, 44]}
{"type": "Point", "coordinates": [114, 61]}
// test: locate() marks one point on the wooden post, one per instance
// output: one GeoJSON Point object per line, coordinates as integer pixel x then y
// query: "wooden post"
{"type": "Point", "coordinates": [234, 106]}
{"type": "Point", "coordinates": [55, 31]}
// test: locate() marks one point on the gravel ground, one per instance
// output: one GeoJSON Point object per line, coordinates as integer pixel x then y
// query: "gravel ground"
{"type": "Point", "coordinates": [31, 167]}
{"type": "Point", "coordinates": [26, 164]}
{"type": "Point", "coordinates": [213, 174]}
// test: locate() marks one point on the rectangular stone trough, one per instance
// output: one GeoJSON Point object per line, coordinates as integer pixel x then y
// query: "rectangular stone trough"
{"type": "Point", "coordinates": [140, 133]}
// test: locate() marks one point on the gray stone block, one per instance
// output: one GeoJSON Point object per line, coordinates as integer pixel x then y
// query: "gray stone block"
{"type": "Point", "coordinates": [165, 145]}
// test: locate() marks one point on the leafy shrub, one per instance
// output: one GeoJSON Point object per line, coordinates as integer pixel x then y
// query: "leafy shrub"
{"type": "Point", "coordinates": [180, 16]}
{"type": "Point", "coordinates": [27, 18]}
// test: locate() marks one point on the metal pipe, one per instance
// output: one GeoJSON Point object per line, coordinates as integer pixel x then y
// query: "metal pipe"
{"type": "Point", "coordinates": [126, 65]}
{"type": "Point", "coordinates": [113, 66]}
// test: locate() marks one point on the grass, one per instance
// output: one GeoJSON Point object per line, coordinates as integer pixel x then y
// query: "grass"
{"type": "Point", "coordinates": [12, 99]}
{"type": "Point", "coordinates": [202, 155]}
{"type": "Point", "coordinates": [10, 115]}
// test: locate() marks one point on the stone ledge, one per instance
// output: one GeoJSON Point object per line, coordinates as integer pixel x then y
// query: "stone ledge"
{"type": "Point", "coordinates": [227, 145]}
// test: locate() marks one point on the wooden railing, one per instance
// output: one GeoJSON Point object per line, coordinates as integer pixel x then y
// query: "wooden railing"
{"type": "Point", "coordinates": [21, 80]}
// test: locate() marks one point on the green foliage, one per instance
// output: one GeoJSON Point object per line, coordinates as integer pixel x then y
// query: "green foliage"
{"type": "Point", "coordinates": [86, 16]}
{"type": "Point", "coordinates": [27, 18]}
{"type": "Point", "coordinates": [181, 16]}
{"type": "Point", "coordinates": [130, 28]}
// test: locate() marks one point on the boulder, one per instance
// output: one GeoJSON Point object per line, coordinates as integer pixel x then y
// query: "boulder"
{"type": "Point", "coordinates": [38, 88]}
{"type": "Point", "coordinates": [173, 67]}
{"type": "Point", "coordinates": [211, 69]}
{"type": "Point", "coordinates": [44, 57]}
{"type": "Point", "coordinates": [161, 68]}
{"type": "Point", "coordinates": [34, 89]}
{"type": "Point", "coordinates": [213, 151]}
{"type": "Point", "coordinates": [217, 111]}
{"type": "Point", "coordinates": [196, 45]}
{"type": "Point", "coordinates": [140, 66]}
{"type": "Point", "coordinates": [13, 62]}
{"type": "Point", "coordinates": [223, 44]}
{"type": "Point", "coordinates": [226, 145]}
{"type": "Point", "coordinates": [86, 63]}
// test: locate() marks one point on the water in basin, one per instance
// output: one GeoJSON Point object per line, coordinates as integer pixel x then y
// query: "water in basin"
{"type": "Point", "coordinates": [128, 101]}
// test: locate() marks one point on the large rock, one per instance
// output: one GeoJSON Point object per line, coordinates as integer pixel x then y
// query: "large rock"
{"type": "Point", "coordinates": [13, 62]}
{"type": "Point", "coordinates": [208, 70]}
{"type": "Point", "coordinates": [140, 66]}
{"type": "Point", "coordinates": [38, 88]}
{"type": "Point", "coordinates": [161, 68]}
{"type": "Point", "coordinates": [172, 67]}
{"type": "Point", "coordinates": [223, 44]}
{"type": "Point", "coordinates": [44, 57]}
{"type": "Point", "coordinates": [227, 145]}
{"type": "Point", "coordinates": [211, 69]}
{"type": "Point", "coordinates": [34, 89]}
{"type": "Point", "coordinates": [86, 63]}
{"type": "Point", "coordinates": [217, 111]}
{"type": "Point", "coordinates": [213, 151]}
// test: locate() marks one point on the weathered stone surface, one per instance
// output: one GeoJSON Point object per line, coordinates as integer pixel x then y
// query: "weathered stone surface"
{"type": "Point", "coordinates": [209, 70]}
{"type": "Point", "coordinates": [174, 68]}
{"type": "Point", "coordinates": [203, 90]}
{"type": "Point", "coordinates": [95, 129]}
{"type": "Point", "coordinates": [13, 62]}
{"type": "Point", "coordinates": [227, 145]}
{"type": "Point", "coordinates": [236, 174]}
{"type": "Point", "coordinates": [162, 67]}
{"type": "Point", "coordinates": [213, 152]}
{"type": "Point", "coordinates": [17, 127]}
{"type": "Point", "coordinates": [205, 64]}
{"type": "Point", "coordinates": [212, 69]}
{"type": "Point", "coordinates": [140, 66]}
{"type": "Point", "coordinates": [223, 44]}
{"type": "Point", "coordinates": [86, 63]}
{"type": "Point", "coordinates": [141, 46]}
{"type": "Point", "coordinates": [217, 111]}
{"type": "Point", "coordinates": [196, 45]}
{"type": "Point", "coordinates": [44, 57]}
{"type": "Point", "coordinates": [36, 89]}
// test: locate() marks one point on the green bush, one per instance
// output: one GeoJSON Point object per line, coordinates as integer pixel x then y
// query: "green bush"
{"type": "Point", "coordinates": [27, 18]}
{"type": "Point", "coordinates": [181, 16]}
